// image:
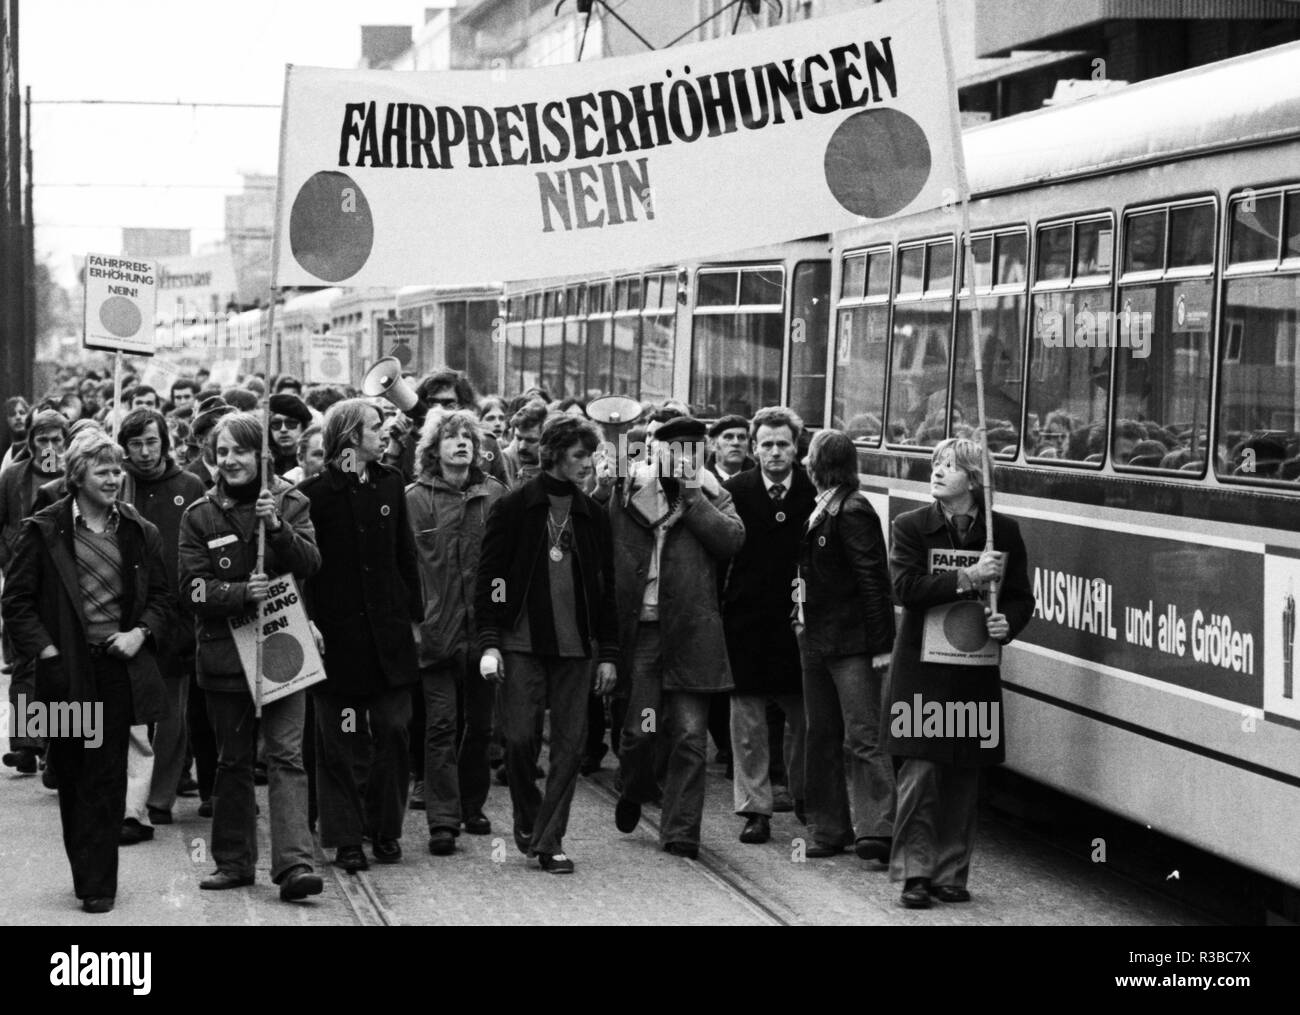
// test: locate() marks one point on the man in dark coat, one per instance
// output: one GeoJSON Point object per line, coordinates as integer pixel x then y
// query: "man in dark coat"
{"type": "Point", "coordinates": [161, 491]}
{"type": "Point", "coordinates": [289, 417]}
{"type": "Point", "coordinates": [942, 721]}
{"type": "Point", "coordinates": [544, 596]}
{"type": "Point", "coordinates": [674, 528]}
{"type": "Point", "coordinates": [47, 432]}
{"type": "Point", "coordinates": [87, 598]}
{"type": "Point", "coordinates": [774, 501]}
{"type": "Point", "coordinates": [366, 603]}
{"type": "Point", "coordinates": [203, 464]}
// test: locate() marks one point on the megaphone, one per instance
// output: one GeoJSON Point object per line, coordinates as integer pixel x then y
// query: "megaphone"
{"type": "Point", "coordinates": [614, 410]}
{"type": "Point", "coordinates": [385, 380]}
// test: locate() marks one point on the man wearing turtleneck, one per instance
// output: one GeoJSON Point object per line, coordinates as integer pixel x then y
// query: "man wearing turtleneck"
{"type": "Point", "coordinates": [545, 594]}
{"type": "Point", "coordinates": [161, 491]}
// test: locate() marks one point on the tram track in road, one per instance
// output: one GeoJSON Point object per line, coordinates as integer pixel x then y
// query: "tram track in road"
{"type": "Point", "coordinates": [715, 869]}
{"type": "Point", "coordinates": [359, 893]}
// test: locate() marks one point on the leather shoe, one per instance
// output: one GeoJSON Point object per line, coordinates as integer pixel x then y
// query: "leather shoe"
{"type": "Point", "coordinates": [133, 832]}
{"type": "Point", "coordinates": [555, 863]}
{"type": "Point", "coordinates": [950, 893]}
{"type": "Point", "coordinates": [442, 842]}
{"type": "Point", "coordinates": [48, 779]}
{"type": "Point", "coordinates": [416, 798]}
{"type": "Point", "coordinates": [872, 849]}
{"type": "Point", "coordinates": [627, 815]}
{"type": "Point", "coordinates": [221, 880]}
{"type": "Point", "coordinates": [187, 786]}
{"type": "Point", "coordinates": [386, 850]}
{"type": "Point", "coordinates": [821, 850]}
{"type": "Point", "coordinates": [205, 809]}
{"type": "Point", "coordinates": [757, 829]}
{"type": "Point", "coordinates": [782, 801]}
{"type": "Point", "coordinates": [98, 904]}
{"type": "Point", "coordinates": [800, 811]}
{"type": "Point", "coordinates": [158, 816]}
{"type": "Point", "coordinates": [299, 883]}
{"type": "Point", "coordinates": [686, 850]}
{"type": "Point", "coordinates": [478, 824]}
{"type": "Point", "coordinates": [351, 859]}
{"type": "Point", "coordinates": [523, 841]}
{"type": "Point", "coordinates": [23, 759]}
{"type": "Point", "coordinates": [916, 893]}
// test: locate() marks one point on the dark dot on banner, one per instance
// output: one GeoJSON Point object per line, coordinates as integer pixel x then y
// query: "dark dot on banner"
{"type": "Point", "coordinates": [282, 657]}
{"type": "Point", "coordinates": [965, 627]}
{"type": "Point", "coordinates": [876, 162]}
{"type": "Point", "coordinates": [331, 229]}
{"type": "Point", "coordinates": [120, 316]}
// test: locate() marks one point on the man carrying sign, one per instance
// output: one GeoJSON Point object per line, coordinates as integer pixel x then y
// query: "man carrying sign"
{"type": "Point", "coordinates": [218, 554]}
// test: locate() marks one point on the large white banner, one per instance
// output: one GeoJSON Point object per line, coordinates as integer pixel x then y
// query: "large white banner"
{"type": "Point", "coordinates": [398, 178]}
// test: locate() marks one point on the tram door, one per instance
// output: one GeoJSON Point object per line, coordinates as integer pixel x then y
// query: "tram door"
{"type": "Point", "coordinates": [809, 332]}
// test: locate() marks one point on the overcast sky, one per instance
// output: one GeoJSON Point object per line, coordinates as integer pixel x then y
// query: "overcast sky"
{"type": "Point", "coordinates": [231, 51]}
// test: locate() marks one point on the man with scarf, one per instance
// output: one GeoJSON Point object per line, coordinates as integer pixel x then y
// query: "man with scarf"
{"type": "Point", "coordinates": [161, 491]}
{"type": "Point", "coordinates": [544, 595]}
{"type": "Point", "coordinates": [674, 527]}
{"type": "Point", "coordinates": [47, 434]}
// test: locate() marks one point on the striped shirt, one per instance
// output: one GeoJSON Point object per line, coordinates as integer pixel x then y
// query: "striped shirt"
{"type": "Point", "coordinates": [99, 575]}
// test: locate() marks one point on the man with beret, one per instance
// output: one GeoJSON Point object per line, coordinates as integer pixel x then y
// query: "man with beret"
{"type": "Point", "coordinates": [729, 442]}
{"type": "Point", "coordinates": [674, 529]}
{"type": "Point", "coordinates": [289, 418]}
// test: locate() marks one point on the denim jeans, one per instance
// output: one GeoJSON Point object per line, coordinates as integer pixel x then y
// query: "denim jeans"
{"type": "Point", "coordinates": [532, 683]}
{"type": "Point", "coordinates": [849, 779]}
{"type": "Point", "coordinates": [362, 764]}
{"type": "Point", "coordinates": [681, 718]}
{"type": "Point", "coordinates": [456, 736]}
{"type": "Point", "coordinates": [234, 806]}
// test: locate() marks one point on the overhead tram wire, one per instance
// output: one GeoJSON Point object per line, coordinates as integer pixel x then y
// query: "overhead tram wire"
{"type": "Point", "coordinates": [176, 104]}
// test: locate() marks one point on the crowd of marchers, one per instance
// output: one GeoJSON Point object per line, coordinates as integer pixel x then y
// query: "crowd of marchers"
{"type": "Point", "coordinates": [467, 567]}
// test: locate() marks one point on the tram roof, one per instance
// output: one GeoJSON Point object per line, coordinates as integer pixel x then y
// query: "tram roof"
{"type": "Point", "coordinates": [1236, 103]}
{"type": "Point", "coordinates": [319, 300]}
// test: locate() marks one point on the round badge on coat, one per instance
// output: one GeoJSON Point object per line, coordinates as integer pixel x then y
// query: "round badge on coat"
{"type": "Point", "coordinates": [821, 540]}
{"type": "Point", "coordinates": [224, 562]}
{"type": "Point", "coordinates": [384, 509]}
{"type": "Point", "coordinates": [178, 500]}
{"type": "Point", "coordinates": [780, 516]}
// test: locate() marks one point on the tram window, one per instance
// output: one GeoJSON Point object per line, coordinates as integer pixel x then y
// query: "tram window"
{"type": "Point", "coordinates": [1011, 256]}
{"type": "Point", "coordinates": [1069, 373]}
{"type": "Point", "coordinates": [1163, 375]}
{"type": "Point", "coordinates": [1054, 253]}
{"type": "Point", "coordinates": [911, 269]}
{"type": "Point", "coordinates": [982, 248]}
{"type": "Point", "coordinates": [853, 278]}
{"type": "Point", "coordinates": [573, 300]}
{"type": "Point", "coordinates": [627, 354]}
{"type": "Point", "coordinates": [1191, 236]}
{"type": "Point", "coordinates": [1144, 242]}
{"type": "Point", "coordinates": [1259, 395]}
{"type": "Point", "coordinates": [598, 298]}
{"type": "Point", "coordinates": [717, 288]}
{"type": "Point", "coordinates": [515, 308]}
{"type": "Point", "coordinates": [918, 393]}
{"type": "Point", "coordinates": [861, 345]}
{"type": "Point", "coordinates": [809, 320]}
{"type": "Point", "coordinates": [1254, 231]}
{"type": "Point", "coordinates": [737, 363]}
{"type": "Point", "coordinates": [658, 334]}
{"type": "Point", "coordinates": [938, 269]}
{"type": "Point", "coordinates": [1292, 228]}
{"type": "Point", "coordinates": [878, 273]}
{"type": "Point", "coordinates": [1092, 248]}
{"type": "Point", "coordinates": [761, 287]}
{"type": "Point", "coordinates": [599, 334]}
{"type": "Point", "coordinates": [1002, 325]}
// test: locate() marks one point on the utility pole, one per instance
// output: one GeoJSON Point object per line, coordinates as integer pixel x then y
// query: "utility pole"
{"type": "Point", "coordinates": [15, 338]}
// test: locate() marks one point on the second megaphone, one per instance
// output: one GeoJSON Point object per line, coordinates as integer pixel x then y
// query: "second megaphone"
{"type": "Point", "coordinates": [385, 379]}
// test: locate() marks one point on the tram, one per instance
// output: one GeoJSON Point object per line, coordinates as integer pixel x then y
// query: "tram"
{"type": "Point", "coordinates": [1136, 265]}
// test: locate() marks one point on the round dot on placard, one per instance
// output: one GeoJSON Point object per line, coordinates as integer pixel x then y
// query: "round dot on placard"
{"type": "Point", "coordinates": [876, 162]}
{"type": "Point", "coordinates": [120, 316]}
{"type": "Point", "coordinates": [331, 227]}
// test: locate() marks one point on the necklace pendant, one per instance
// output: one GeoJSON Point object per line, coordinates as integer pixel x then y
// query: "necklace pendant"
{"type": "Point", "coordinates": [556, 554]}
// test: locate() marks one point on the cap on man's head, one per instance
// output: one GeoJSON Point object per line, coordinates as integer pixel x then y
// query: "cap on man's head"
{"type": "Point", "coordinates": [286, 403]}
{"type": "Point", "coordinates": [211, 409]}
{"type": "Point", "coordinates": [733, 422]}
{"type": "Point", "coordinates": [683, 428]}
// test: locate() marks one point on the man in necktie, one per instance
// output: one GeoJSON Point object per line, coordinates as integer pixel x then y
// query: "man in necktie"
{"type": "Point", "coordinates": [774, 501]}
